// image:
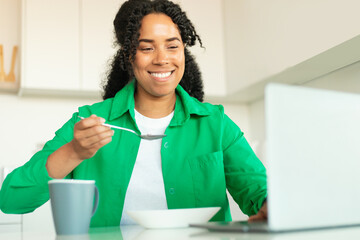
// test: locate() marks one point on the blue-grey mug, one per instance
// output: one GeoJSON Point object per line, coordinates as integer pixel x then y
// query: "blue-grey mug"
{"type": "Point", "coordinates": [73, 203]}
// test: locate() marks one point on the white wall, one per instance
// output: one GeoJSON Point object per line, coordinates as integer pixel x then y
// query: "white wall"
{"type": "Point", "coordinates": [28, 122]}
{"type": "Point", "coordinates": [266, 37]}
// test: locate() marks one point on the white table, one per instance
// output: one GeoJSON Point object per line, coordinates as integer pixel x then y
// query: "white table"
{"type": "Point", "coordinates": [138, 233]}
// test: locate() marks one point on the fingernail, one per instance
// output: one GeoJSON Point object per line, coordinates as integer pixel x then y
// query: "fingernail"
{"type": "Point", "coordinates": [102, 120]}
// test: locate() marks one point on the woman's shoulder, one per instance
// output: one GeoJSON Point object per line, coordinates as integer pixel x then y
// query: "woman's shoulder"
{"type": "Point", "coordinates": [194, 106]}
{"type": "Point", "coordinates": [213, 107]}
{"type": "Point", "coordinates": [207, 108]}
{"type": "Point", "coordinates": [101, 109]}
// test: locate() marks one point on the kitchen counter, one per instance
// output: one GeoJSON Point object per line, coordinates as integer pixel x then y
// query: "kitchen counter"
{"type": "Point", "coordinates": [139, 233]}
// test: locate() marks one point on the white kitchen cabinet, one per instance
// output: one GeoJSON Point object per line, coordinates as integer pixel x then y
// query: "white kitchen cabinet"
{"type": "Point", "coordinates": [67, 44]}
{"type": "Point", "coordinates": [50, 44]}
{"type": "Point", "coordinates": [97, 37]}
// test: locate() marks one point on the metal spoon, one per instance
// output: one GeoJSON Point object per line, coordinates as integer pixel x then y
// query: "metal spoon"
{"type": "Point", "coordinates": [142, 136]}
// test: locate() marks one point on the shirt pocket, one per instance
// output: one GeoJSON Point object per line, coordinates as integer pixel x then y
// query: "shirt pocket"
{"type": "Point", "coordinates": [208, 179]}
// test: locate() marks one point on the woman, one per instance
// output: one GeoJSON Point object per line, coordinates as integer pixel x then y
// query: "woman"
{"type": "Point", "coordinates": [154, 87]}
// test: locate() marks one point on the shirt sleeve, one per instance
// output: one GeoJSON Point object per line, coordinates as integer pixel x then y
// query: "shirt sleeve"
{"type": "Point", "coordinates": [244, 172]}
{"type": "Point", "coordinates": [26, 188]}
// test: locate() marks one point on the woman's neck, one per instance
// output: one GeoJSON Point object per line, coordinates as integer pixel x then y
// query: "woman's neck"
{"type": "Point", "coordinates": [155, 107]}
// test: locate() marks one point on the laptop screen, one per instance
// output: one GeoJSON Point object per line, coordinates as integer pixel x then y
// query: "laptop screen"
{"type": "Point", "coordinates": [313, 157]}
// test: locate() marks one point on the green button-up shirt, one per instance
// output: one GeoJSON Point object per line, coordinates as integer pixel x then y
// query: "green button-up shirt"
{"type": "Point", "coordinates": [203, 154]}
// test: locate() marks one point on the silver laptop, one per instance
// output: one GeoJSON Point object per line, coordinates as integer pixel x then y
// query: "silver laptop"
{"type": "Point", "coordinates": [312, 158]}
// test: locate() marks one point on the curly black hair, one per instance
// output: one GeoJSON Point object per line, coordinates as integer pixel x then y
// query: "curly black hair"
{"type": "Point", "coordinates": [127, 24]}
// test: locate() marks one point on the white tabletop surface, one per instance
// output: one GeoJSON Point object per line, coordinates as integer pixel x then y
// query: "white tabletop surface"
{"type": "Point", "coordinates": [139, 233]}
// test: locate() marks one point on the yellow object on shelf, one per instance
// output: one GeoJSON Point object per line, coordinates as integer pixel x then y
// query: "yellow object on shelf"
{"type": "Point", "coordinates": [2, 70]}
{"type": "Point", "coordinates": [11, 76]}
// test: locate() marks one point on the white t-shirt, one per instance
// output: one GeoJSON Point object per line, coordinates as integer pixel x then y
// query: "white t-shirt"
{"type": "Point", "coordinates": [146, 188]}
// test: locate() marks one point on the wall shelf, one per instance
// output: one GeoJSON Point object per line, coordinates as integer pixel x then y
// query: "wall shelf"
{"type": "Point", "coordinates": [9, 87]}
{"type": "Point", "coordinates": [60, 93]}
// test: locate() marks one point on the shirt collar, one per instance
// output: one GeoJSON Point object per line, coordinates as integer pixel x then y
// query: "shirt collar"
{"type": "Point", "coordinates": [123, 102]}
{"type": "Point", "coordinates": [184, 107]}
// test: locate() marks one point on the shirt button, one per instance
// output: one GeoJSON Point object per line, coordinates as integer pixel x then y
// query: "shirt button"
{"type": "Point", "coordinates": [172, 191]}
{"type": "Point", "coordinates": [166, 145]}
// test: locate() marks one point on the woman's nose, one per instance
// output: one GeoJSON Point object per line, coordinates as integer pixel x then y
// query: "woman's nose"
{"type": "Point", "coordinates": [161, 57]}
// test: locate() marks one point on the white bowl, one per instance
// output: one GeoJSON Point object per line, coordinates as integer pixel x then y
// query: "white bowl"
{"type": "Point", "coordinates": [172, 218]}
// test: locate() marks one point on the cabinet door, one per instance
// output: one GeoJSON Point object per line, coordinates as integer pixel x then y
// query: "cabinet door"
{"type": "Point", "coordinates": [51, 44]}
{"type": "Point", "coordinates": [97, 37]}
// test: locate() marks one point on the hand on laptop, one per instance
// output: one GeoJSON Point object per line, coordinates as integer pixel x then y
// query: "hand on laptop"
{"type": "Point", "coordinates": [261, 215]}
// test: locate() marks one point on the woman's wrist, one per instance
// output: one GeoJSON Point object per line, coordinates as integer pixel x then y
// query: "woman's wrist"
{"type": "Point", "coordinates": [61, 162]}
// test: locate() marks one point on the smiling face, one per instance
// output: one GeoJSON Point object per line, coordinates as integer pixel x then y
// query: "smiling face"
{"type": "Point", "coordinates": [160, 60]}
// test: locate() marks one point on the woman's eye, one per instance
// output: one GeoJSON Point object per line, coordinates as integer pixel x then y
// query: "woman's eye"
{"type": "Point", "coordinates": [173, 47]}
{"type": "Point", "coordinates": [146, 49]}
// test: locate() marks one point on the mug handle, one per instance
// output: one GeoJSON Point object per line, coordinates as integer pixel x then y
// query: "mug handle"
{"type": "Point", "coordinates": [96, 201]}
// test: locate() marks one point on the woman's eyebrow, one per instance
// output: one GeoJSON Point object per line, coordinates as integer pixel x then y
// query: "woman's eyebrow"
{"type": "Point", "coordinates": [173, 39]}
{"type": "Point", "coordinates": [146, 40]}
{"type": "Point", "coordinates": [167, 40]}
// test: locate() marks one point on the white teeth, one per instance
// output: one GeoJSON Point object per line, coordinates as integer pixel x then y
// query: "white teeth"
{"type": "Point", "coordinates": [161, 75]}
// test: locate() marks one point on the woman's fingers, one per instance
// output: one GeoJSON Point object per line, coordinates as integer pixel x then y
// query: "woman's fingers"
{"type": "Point", "coordinates": [99, 144]}
{"type": "Point", "coordinates": [262, 215]}
{"type": "Point", "coordinates": [89, 122]}
{"type": "Point", "coordinates": [90, 135]}
{"type": "Point", "coordinates": [94, 136]}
